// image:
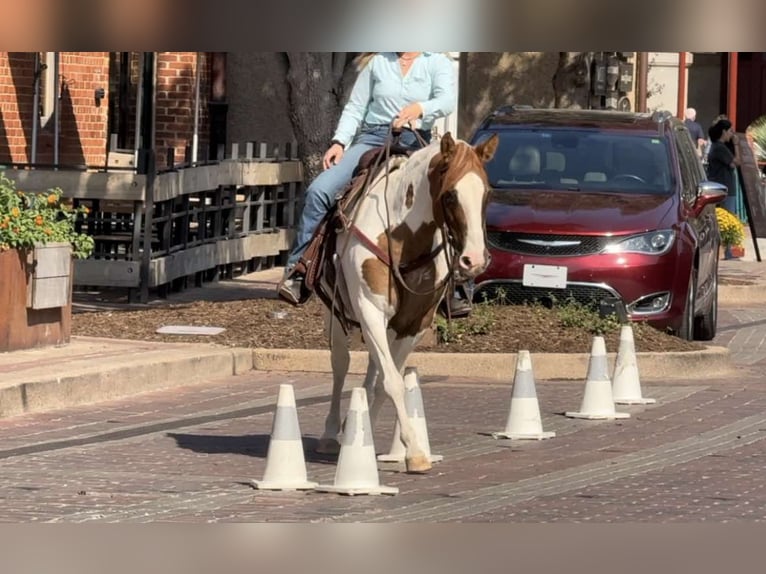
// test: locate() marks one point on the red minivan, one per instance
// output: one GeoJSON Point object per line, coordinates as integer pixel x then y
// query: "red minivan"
{"type": "Point", "coordinates": [602, 206]}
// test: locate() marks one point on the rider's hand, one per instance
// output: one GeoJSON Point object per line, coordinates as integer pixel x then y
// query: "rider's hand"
{"type": "Point", "coordinates": [408, 113]}
{"type": "Point", "coordinates": [332, 156]}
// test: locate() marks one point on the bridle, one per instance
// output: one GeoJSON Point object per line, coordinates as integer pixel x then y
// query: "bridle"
{"type": "Point", "coordinates": [447, 243]}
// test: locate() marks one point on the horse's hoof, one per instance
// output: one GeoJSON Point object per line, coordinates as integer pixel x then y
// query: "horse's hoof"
{"type": "Point", "coordinates": [328, 446]}
{"type": "Point", "coordinates": [418, 464]}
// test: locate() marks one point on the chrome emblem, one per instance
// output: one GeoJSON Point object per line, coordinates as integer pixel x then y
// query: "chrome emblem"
{"type": "Point", "coordinates": [546, 243]}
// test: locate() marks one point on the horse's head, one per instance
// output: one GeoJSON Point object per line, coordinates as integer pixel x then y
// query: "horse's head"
{"type": "Point", "coordinates": [459, 191]}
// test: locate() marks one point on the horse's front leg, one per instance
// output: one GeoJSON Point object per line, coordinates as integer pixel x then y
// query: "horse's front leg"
{"type": "Point", "coordinates": [375, 335]}
{"type": "Point", "coordinates": [340, 359]}
{"type": "Point", "coordinates": [400, 351]}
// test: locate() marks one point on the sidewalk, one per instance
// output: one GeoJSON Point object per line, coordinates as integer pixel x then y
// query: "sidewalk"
{"type": "Point", "coordinates": [91, 370]}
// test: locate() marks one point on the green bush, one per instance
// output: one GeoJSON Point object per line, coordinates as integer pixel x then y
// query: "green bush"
{"type": "Point", "coordinates": [30, 218]}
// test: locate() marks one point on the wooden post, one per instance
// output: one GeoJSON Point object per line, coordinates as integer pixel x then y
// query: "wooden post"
{"type": "Point", "coordinates": [146, 256]}
{"type": "Point", "coordinates": [681, 84]}
{"type": "Point", "coordinates": [642, 69]}
{"type": "Point", "coordinates": [731, 89]}
{"type": "Point", "coordinates": [138, 211]}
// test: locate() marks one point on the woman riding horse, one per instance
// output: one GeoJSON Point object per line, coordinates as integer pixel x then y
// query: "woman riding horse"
{"type": "Point", "coordinates": [393, 89]}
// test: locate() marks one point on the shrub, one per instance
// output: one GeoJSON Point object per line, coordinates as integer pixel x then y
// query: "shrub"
{"type": "Point", "coordinates": [30, 218]}
{"type": "Point", "coordinates": [730, 228]}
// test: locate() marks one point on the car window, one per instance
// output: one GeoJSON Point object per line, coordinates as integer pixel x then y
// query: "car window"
{"type": "Point", "coordinates": [580, 159]}
{"type": "Point", "coordinates": [689, 164]}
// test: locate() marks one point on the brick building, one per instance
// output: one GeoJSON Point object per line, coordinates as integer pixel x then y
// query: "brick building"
{"type": "Point", "coordinates": [98, 101]}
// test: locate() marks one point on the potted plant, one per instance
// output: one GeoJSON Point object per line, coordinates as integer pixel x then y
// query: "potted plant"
{"type": "Point", "coordinates": [732, 233]}
{"type": "Point", "coordinates": [38, 239]}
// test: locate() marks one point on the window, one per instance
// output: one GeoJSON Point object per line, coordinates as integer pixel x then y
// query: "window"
{"type": "Point", "coordinates": [581, 159]}
{"type": "Point", "coordinates": [688, 162]}
{"type": "Point", "coordinates": [48, 87]}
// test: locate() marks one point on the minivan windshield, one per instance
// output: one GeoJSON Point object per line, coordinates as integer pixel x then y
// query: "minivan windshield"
{"type": "Point", "coordinates": [580, 159]}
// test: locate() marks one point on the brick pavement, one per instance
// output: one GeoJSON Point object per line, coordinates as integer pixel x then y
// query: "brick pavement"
{"type": "Point", "coordinates": [189, 454]}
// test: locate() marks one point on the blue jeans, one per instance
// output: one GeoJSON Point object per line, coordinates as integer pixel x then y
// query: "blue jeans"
{"type": "Point", "coordinates": [730, 204]}
{"type": "Point", "coordinates": [322, 194]}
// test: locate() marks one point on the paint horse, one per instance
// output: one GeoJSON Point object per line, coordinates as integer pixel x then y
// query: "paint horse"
{"type": "Point", "coordinates": [419, 227]}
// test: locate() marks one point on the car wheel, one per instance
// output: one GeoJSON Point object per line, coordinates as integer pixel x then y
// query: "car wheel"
{"type": "Point", "coordinates": [687, 323]}
{"type": "Point", "coordinates": [706, 326]}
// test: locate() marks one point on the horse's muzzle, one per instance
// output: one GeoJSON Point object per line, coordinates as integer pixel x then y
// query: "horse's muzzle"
{"type": "Point", "coordinates": [469, 267]}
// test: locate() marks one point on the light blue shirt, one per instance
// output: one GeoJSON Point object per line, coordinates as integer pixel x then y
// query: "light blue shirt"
{"type": "Point", "coordinates": [380, 92]}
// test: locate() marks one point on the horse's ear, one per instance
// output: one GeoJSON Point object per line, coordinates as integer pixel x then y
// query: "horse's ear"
{"type": "Point", "coordinates": [486, 149]}
{"type": "Point", "coordinates": [447, 146]}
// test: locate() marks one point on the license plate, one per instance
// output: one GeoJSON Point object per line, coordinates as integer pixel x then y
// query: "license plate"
{"type": "Point", "coordinates": [551, 276]}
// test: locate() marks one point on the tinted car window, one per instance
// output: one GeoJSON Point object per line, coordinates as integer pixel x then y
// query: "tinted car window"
{"type": "Point", "coordinates": [580, 159]}
{"type": "Point", "coordinates": [688, 163]}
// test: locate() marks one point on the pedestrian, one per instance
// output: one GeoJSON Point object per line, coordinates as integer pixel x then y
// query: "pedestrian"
{"type": "Point", "coordinates": [393, 89]}
{"type": "Point", "coordinates": [722, 163]}
{"type": "Point", "coordinates": [695, 130]}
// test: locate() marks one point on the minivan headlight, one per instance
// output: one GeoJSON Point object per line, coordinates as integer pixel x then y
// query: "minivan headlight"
{"type": "Point", "coordinates": [652, 243]}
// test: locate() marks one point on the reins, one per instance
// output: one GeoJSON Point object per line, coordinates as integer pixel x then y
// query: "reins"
{"type": "Point", "coordinates": [397, 269]}
{"type": "Point", "coordinates": [388, 259]}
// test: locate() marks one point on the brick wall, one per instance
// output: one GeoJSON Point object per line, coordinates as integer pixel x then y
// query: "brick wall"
{"type": "Point", "coordinates": [83, 126]}
{"type": "Point", "coordinates": [175, 103]}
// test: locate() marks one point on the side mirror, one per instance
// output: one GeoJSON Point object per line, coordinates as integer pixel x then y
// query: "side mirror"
{"type": "Point", "coordinates": [709, 192]}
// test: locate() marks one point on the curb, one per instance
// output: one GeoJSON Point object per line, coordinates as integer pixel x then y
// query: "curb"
{"type": "Point", "coordinates": [125, 377]}
{"type": "Point", "coordinates": [97, 382]}
{"type": "Point", "coordinates": [710, 363]}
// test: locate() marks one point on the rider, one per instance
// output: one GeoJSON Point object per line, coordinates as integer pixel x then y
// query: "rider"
{"type": "Point", "coordinates": [393, 89]}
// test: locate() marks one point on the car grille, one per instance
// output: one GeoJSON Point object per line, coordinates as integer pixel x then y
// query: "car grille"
{"type": "Point", "coordinates": [547, 245]}
{"type": "Point", "coordinates": [514, 292]}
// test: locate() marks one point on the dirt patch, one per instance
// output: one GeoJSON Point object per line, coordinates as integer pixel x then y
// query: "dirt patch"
{"type": "Point", "coordinates": [271, 323]}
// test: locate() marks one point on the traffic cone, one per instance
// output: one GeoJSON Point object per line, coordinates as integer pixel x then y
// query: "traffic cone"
{"type": "Point", "coordinates": [524, 416]}
{"type": "Point", "coordinates": [626, 385]}
{"type": "Point", "coordinates": [413, 400]}
{"type": "Point", "coordinates": [285, 463]}
{"type": "Point", "coordinates": [597, 401]}
{"type": "Point", "coordinates": [357, 470]}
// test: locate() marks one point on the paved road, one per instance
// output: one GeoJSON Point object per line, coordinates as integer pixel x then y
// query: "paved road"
{"type": "Point", "coordinates": [188, 455]}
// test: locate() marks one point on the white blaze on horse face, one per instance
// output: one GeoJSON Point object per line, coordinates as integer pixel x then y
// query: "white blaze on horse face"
{"type": "Point", "coordinates": [470, 194]}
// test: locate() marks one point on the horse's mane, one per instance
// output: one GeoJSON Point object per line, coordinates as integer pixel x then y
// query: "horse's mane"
{"type": "Point", "coordinates": [464, 160]}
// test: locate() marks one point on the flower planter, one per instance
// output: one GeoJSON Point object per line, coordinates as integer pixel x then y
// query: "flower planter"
{"type": "Point", "coordinates": [35, 297]}
{"type": "Point", "coordinates": [735, 252]}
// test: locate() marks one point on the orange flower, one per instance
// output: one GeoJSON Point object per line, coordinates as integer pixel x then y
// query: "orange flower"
{"type": "Point", "coordinates": [48, 231]}
{"type": "Point", "coordinates": [3, 224]}
{"type": "Point", "coordinates": [85, 209]}
{"type": "Point", "coordinates": [39, 220]}
{"type": "Point", "coordinates": [52, 199]}
{"type": "Point", "coordinates": [15, 212]}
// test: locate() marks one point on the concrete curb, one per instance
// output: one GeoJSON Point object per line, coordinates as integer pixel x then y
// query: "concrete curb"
{"type": "Point", "coordinates": [83, 384]}
{"type": "Point", "coordinates": [709, 363]}
{"type": "Point", "coordinates": [85, 381]}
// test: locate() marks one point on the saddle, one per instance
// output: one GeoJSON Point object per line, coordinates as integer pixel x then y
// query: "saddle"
{"type": "Point", "coordinates": [316, 263]}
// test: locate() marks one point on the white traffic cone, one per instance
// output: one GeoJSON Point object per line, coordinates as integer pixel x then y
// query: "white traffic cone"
{"type": "Point", "coordinates": [357, 470]}
{"type": "Point", "coordinates": [413, 400]}
{"type": "Point", "coordinates": [626, 384]}
{"type": "Point", "coordinates": [524, 420]}
{"type": "Point", "coordinates": [597, 401]}
{"type": "Point", "coordinates": [285, 463]}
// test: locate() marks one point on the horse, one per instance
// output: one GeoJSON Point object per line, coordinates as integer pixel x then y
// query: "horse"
{"type": "Point", "coordinates": [418, 228]}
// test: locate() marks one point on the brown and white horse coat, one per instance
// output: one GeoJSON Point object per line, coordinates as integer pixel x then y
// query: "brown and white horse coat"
{"type": "Point", "coordinates": [427, 219]}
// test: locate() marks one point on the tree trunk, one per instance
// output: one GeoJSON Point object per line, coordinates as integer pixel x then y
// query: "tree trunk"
{"type": "Point", "coordinates": [316, 93]}
{"type": "Point", "coordinates": [571, 82]}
